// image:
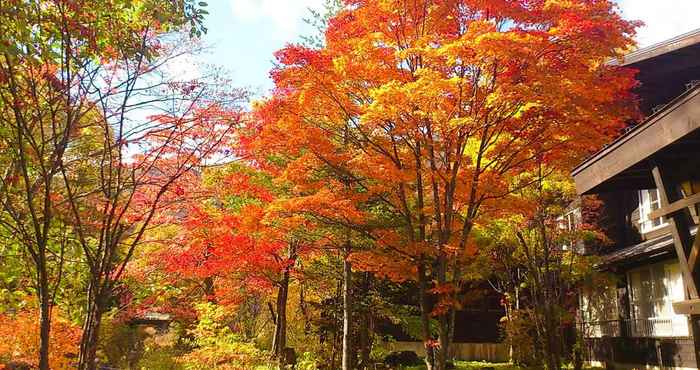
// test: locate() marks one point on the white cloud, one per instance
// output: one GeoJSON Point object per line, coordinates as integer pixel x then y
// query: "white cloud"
{"type": "Point", "coordinates": [663, 19]}
{"type": "Point", "coordinates": [284, 17]}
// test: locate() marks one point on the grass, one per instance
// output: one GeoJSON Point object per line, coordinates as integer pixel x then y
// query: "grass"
{"type": "Point", "coordinates": [478, 365]}
{"type": "Point", "coordinates": [474, 365]}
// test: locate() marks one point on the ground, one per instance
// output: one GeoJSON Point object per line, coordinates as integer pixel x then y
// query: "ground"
{"type": "Point", "coordinates": [479, 365]}
{"type": "Point", "coordinates": [474, 365]}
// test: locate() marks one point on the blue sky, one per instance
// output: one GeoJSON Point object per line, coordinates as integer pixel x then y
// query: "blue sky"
{"type": "Point", "coordinates": [243, 34]}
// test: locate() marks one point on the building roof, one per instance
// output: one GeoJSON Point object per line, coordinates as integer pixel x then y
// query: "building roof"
{"type": "Point", "coordinates": [622, 164]}
{"type": "Point", "coordinates": [664, 70]}
{"type": "Point", "coordinates": [151, 318]}
{"type": "Point", "coordinates": [641, 250]}
{"type": "Point", "coordinates": [646, 249]}
{"type": "Point", "coordinates": [664, 47]}
{"type": "Point", "coordinates": [668, 95]}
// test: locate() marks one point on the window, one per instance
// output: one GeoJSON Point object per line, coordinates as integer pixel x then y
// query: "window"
{"type": "Point", "coordinates": [649, 201]}
{"type": "Point", "coordinates": [599, 312]}
{"type": "Point", "coordinates": [569, 224]}
{"type": "Point", "coordinates": [570, 220]}
{"type": "Point", "coordinates": [653, 289]}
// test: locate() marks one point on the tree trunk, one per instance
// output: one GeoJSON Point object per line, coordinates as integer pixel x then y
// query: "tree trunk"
{"type": "Point", "coordinates": [457, 268]}
{"type": "Point", "coordinates": [551, 339]}
{"type": "Point", "coordinates": [425, 316]}
{"type": "Point", "coordinates": [365, 340]}
{"type": "Point", "coordinates": [442, 351]}
{"type": "Point", "coordinates": [347, 362]}
{"type": "Point", "coordinates": [577, 355]}
{"type": "Point", "coordinates": [279, 341]}
{"type": "Point", "coordinates": [87, 359]}
{"type": "Point", "coordinates": [44, 319]}
{"type": "Point", "coordinates": [547, 324]}
{"type": "Point", "coordinates": [304, 310]}
{"type": "Point", "coordinates": [334, 348]}
{"type": "Point", "coordinates": [509, 314]}
{"type": "Point", "coordinates": [276, 333]}
{"type": "Point", "coordinates": [208, 287]}
{"type": "Point", "coordinates": [366, 328]}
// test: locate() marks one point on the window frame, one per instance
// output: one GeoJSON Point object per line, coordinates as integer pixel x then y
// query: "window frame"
{"type": "Point", "coordinates": [570, 221]}
{"type": "Point", "coordinates": [646, 225]}
{"type": "Point", "coordinates": [654, 322]}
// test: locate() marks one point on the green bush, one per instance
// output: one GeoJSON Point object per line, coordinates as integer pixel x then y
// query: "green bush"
{"type": "Point", "coordinates": [160, 358]}
{"type": "Point", "coordinates": [217, 347]}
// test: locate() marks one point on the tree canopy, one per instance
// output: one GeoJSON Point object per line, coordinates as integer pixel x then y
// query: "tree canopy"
{"type": "Point", "coordinates": [410, 151]}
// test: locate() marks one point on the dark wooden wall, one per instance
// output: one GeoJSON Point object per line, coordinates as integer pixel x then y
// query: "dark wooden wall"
{"type": "Point", "coordinates": [678, 352]}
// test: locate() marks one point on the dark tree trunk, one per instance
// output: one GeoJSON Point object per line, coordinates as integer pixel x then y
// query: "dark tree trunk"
{"type": "Point", "coordinates": [365, 339]}
{"type": "Point", "coordinates": [208, 287]}
{"type": "Point", "coordinates": [552, 341]}
{"type": "Point", "coordinates": [304, 310]}
{"type": "Point", "coordinates": [334, 349]}
{"type": "Point", "coordinates": [365, 328]}
{"type": "Point", "coordinates": [87, 359]}
{"type": "Point", "coordinates": [441, 353]}
{"type": "Point", "coordinates": [347, 362]}
{"type": "Point", "coordinates": [425, 316]}
{"type": "Point", "coordinates": [44, 319]}
{"type": "Point", "coordinates": [457, 267]}
{"type": "Point", "coordinates": [279, 341]}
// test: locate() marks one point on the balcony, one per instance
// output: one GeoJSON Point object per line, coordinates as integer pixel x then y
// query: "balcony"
{"type": "Point", "coordinates": [637, 328]}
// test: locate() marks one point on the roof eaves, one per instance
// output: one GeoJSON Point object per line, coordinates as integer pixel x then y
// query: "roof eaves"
{"type": "Point", "coordinates": [667, 46]}
{"type": "Point", "coordinates": [634, 130]}
{"type": "Point", "coordinates": [644, 249]}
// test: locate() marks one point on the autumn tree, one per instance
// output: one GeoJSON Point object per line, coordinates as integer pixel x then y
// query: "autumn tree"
{"type": "Point", "coordinates": [320, 193]}
{"type": "Point", "coordinates": [44, 44]}
{"type": "Point", "coordinates": [113, 210]}
{"type": "Point", "coordinates": [535, 258]}
{"type": "Point", "coordinates": [71, 70]}
{"type": "Point", "coordinates": [415, 118]}
{"type": "Point", "coordinates": [234, 242]}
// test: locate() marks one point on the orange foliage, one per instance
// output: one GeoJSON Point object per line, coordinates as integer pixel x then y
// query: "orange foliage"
{"type": "Point", "coordinates": [436, 109]}
{"type": "Point", "coordinates": [20, 339]}
{"type": "Point", "coordinates": [418, 119]}
{"type": "Point", "coordinates": [233, 236]}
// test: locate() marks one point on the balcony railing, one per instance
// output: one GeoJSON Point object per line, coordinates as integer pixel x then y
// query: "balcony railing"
{"type": "Point", "coordinates": [637, 328]}
{"type": "Point", "coordinates": [597, 329]}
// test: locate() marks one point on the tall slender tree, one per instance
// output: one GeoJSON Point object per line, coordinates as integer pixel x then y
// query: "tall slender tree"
{"type": "Point", "coordinates": [71, 70]}
{"type": "Point", "coordinates": [236, 238]}
{"type": "Point", "coordinates": [535, 256]}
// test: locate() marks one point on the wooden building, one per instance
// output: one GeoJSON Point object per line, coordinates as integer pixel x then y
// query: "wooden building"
{"type": "Point", "coordinates": [649, 181]}
{"type": "Point", "coordinates": [477, 334]}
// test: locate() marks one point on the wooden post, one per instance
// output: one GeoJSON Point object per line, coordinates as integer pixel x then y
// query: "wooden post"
{"type": "Point", "coordinates": [679, 223]}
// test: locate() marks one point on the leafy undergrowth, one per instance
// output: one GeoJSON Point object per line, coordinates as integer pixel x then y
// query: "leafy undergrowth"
{"type": "Point", "coordinates": [479, 365]}
{"type": "Point", "coordinates": [473, 365]}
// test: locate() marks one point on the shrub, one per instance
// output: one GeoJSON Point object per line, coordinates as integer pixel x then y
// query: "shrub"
{"type": "Point", "coordinates": [217, 347]}
{"type": "Point", "coordinates": [402, 358]}
{"type": "Point", "coordinates": [20, 339]}
{"type": "Point", "coordinates": [520, 334]}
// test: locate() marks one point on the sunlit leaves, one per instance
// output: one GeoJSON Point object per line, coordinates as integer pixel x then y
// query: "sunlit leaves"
{"type": "Point", "coordinates": [416, 121]}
